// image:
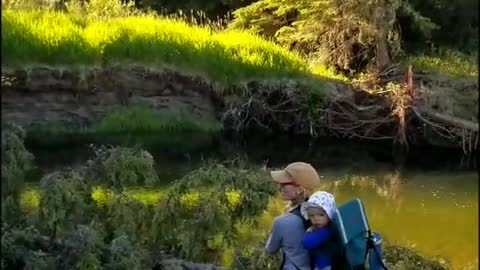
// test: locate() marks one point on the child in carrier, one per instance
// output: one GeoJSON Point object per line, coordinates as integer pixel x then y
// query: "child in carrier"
{"type": "Point", "coordinates": [319, 239]}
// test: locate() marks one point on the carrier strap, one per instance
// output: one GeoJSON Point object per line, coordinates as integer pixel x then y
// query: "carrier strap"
{"type": "Point", "coordinates": [283, 263]}
{"type": "Point", "coordinates": [296, 211]}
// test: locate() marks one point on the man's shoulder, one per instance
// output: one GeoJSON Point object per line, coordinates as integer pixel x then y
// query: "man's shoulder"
{"type": "Point", "coordinates": [286, 219]}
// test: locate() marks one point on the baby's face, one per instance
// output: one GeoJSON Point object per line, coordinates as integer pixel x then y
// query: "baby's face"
{"type": "Point", "coordinates": [317, 216]}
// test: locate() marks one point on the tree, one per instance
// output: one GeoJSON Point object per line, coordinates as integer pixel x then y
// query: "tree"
{"type": "Point", "coordinates": [350, 35]}
{"type": "Point", "coordinates": [16, 163]}
{"type": "Point", "coordinates": [456, 24]}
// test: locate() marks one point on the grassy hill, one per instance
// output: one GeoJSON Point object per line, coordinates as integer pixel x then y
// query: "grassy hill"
{"type": "Point", "coordinates": [46, 37]}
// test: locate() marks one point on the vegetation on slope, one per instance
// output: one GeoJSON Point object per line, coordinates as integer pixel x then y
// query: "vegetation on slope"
{"type": "Point", "coordinates": [48, 37]}
{"type": "Point", "coordinates": [104, 31]}
{"type": "Point", "coordinates": [450, 63]}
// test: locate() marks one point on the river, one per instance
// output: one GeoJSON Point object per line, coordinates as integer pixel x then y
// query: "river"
{"type": "Point", "coordinates": [426, 200]}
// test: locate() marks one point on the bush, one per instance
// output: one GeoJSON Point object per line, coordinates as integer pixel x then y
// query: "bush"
{"type": "Point", "coordinates": [72, 228]}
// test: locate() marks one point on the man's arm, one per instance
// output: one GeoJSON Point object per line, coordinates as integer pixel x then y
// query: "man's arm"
{"type": "Point", "coordinates": [275, 240]}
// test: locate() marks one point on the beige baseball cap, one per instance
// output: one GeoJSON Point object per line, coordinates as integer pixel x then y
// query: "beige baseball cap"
{"type": "Point", "coordinates": [298, 173]}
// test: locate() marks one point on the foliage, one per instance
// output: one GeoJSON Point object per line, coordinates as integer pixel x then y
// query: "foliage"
{"type": "Point", "coordinates": [201, 9]}
{"type": "Point", "coordinates": [16, 160]}
{"type": "Point", "coordinates": [64, 202]}
{"type": "Point", "coordinates": [225, 198]}
{"type": "Point", "coordinates": [18, 246]}
{"type": "Point", "coordinates": [456, 25]}
{"type": "Point", "coordinates": [201, 217]}
{"type": "Point", "coordinates": [225, 56]}
{"type": "Point", "coordinates": [16, 163]}
{"type": "Point", "coordinates": [141, 119]}
{"type": "Point", "coordinates": [256, 258]}
{"type": "Point", "coordinates": [83, 11]}
{"type": "Point", "coordinates": [342, 33]}
{"type": "Point", "coordinates": [423, 22]}
{"type": "Point", "coordinates": [68, 230]}
{"type": "Point", "coordinates": [125, 255]}
{"type": "Point", "coordinates": [29, 199]}
{"type": "Point", "coordinates": [119, 167]}
{"type": "Point", "coordinates": [447, 62]}
{"type": "Point", "coordinates": [125, 216]}
{"type": "Point", "coordinates": [71, 229]}
{"type": "Point", "coordinates": [83, 248]}
{"type": "Point", "coordinates": [345, 33]}
{"type": "Point", "coordinates": [132, 126]}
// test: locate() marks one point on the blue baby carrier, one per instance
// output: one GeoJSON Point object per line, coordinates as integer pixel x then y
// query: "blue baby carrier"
{"type": "Point", "coordinates": [361, 249]}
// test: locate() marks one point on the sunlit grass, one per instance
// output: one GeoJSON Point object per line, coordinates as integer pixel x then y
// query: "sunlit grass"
{"type": "Point", "coordinates": [327, 72]}
{"type": "Point", "coordinates": [47, 37]}
{"type": "Point", "coordinates": [451, 85]}
{"type": "Point", "coordinates": [447, 62]}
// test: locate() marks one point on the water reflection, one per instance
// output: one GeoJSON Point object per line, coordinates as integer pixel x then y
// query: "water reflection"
{"type": "Point", "coordinates": [437, 214]}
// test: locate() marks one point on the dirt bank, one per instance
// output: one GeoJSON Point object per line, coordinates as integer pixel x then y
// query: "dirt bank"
{"type": "Point", "coordinates": [81, 96]}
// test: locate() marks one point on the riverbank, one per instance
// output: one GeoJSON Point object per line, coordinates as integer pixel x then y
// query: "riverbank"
{"type": "Point", "coordinates": [85, 104]}
{"type": "Point", "coordinates": [149, 73]}
{"type": "Point", "coordinates": [100, 74]}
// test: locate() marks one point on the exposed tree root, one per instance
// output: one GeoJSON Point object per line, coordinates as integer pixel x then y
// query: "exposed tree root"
{"type": "Point", "coordinates": [381, 108]}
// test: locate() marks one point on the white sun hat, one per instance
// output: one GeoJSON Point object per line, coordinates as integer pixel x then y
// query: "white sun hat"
{"type": "Point", "coordinates": [320, 199]}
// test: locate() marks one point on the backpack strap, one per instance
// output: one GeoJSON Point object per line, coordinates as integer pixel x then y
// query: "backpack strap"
{"type": "Point", "coordinates": [296, 211]}
{"type": "Point", "coordinates": [371, 246]}
{"type": "Point", "coordinates": [283, 263]}
{"type": "Point", "coordinates": [306, 224]}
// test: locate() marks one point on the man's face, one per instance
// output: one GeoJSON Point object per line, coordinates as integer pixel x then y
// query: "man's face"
{"type": "Point", "coordinates": [317, 216]}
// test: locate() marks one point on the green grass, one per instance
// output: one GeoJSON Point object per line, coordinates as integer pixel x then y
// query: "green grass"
{"type": "Point", "coordinates": [451, 86]}
{"type": "Point", "coordinates": [47, 37]}
{"type": "Point", "coordinates": [142, 119]}
{"type": "Point", "coordinates": [447, 62]}
{"type": "Point", "coordinates": [135, 124]}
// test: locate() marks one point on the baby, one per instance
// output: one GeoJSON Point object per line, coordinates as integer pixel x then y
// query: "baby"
{"type": "Point", "coordinates": [319, 238]}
